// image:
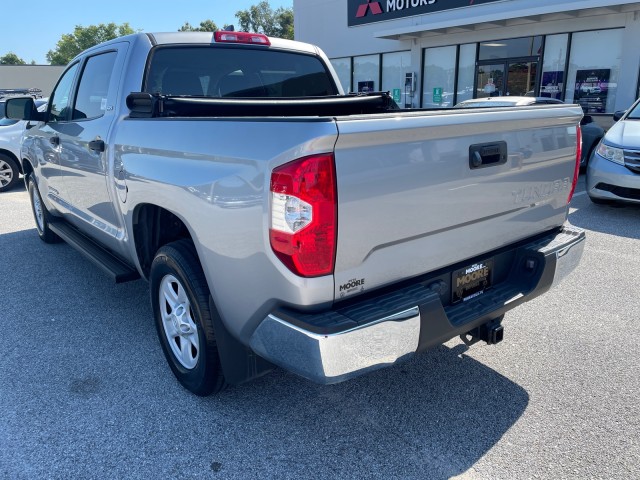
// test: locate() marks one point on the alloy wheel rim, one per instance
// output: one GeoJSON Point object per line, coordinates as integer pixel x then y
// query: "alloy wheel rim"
{"type": "Point", "coordinates": [37, 208]}
{"type": "Point", "coordinates": [6, 173]}
{"type": "Point", "coordinates": [178, 324]}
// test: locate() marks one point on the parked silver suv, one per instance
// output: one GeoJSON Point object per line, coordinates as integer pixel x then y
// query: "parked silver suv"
{"type": "Point", "coordinates": [613, 174]}
{"type": "Point", "coordinates": [10, 135]}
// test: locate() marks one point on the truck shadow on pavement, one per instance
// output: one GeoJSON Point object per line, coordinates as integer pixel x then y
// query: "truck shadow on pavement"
{"type": "Point", "coordinates": [433, 417]}
{"type": "Point", "coordinates": [99, 378]}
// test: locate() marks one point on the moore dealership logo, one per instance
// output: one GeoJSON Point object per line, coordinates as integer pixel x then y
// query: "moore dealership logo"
{"type": "Point", "coordinates": [369, 11]}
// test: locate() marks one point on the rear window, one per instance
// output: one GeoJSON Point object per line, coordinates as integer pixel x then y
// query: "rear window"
{"type": "Point", "coordinates": [224, 72]}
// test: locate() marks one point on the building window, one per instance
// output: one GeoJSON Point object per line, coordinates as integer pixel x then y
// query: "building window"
{"type": "Point", "coordinates": [366, 73]}
{"type": "Point", "coordinates": [466, 69]}
{"type": "Point", "coordinates": [394, 68]}
{"type": "Point", "coordinates": [552, 82]}
{"type": "Point", "coordinates": [511, 48]}
{"type": "Point", "coordinates": [342, 66]}
{"type": "Point", "coordinates": [593, 70]}
{"type": "Point", "coordinates": [439, 77]}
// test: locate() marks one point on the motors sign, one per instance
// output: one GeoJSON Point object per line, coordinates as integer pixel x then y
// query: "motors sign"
{"type": "Point", "coordinates": [362, 12]}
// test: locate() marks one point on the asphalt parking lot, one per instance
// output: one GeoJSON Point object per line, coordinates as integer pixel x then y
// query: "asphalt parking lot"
{"type": "Point", "coordinates": [85, 391]}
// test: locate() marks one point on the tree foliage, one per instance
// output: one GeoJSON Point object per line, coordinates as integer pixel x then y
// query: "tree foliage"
{"type": "Point", "coordinates": [206, 26]}
{"type": "Point", "coordinates": [71, 44]}
{"type": "Point", "coordinates": [261, 18]}
{"type": "Point", "coordinates": [11, 59]}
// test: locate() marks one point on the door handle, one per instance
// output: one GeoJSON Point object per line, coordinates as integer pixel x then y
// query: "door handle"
{"type": "Point", "coordinates": [96, 145]}
{"type": "Point", "coordinates": [55, 140]}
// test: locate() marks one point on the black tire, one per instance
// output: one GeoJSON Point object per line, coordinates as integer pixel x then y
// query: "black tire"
{"type": "Point", "coordinates": [175, 267]}
{"type": "Point", "coordinates": [9, 173]}
{"type": "Point", "coordinates": [583, 168]}
{"type": "Point", "coordinates": [41, 215]}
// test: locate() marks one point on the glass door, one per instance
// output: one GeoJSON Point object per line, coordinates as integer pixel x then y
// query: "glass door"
{"type": "Point", "coordinates": [490, 80]}
{"type": "Point", "coordinates": [516, 77]}
{"type": "Point", "coordinates": [521, 78]}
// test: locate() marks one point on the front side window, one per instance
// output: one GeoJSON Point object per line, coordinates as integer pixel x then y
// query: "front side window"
{"type": "Point", "coordinates": [635, 113]}
{"type": "Point", "coordinates": [61, 97]}
{"type": "Point", "coordinates": [91, 100]}
{"type": "Point", "coordinates": [236, 73]}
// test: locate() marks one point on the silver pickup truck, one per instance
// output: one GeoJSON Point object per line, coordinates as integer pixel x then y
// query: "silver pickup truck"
{"type": "Point", "coordinates": [282, 222]}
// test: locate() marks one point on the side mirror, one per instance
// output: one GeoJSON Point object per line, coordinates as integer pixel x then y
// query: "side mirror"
{"type": "Point", "coordinates": [618, 115]}
{"type": "Point", "coordinates": [23, 108]}
{"type": "Point", "coordinates": [586, 119]}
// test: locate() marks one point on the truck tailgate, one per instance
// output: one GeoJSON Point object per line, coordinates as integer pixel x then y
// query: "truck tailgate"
{"type": "Point", "coordinates": [411, 200]}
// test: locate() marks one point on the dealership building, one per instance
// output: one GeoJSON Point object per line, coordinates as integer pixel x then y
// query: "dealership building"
{"type": "Point", "coordinates": [436, 53]}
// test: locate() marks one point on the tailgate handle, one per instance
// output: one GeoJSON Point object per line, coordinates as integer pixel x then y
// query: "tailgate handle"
{"type": "Point", "coordinates": [484, 155]}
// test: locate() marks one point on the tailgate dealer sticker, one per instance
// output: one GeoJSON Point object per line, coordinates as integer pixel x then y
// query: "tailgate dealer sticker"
{"type": "Point", "coordinates": [352, 286]}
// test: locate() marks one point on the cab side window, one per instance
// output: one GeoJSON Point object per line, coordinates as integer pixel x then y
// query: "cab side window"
{"type": "Point", "coordinates": [91, 100]}
{"type": "Point", "coordinates": [61, 97]}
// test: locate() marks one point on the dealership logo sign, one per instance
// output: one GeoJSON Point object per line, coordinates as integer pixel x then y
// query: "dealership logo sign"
{"type": "Point", "coordinates": [368, 11]}
{"type": "Point", "coordinates": [375, 8]}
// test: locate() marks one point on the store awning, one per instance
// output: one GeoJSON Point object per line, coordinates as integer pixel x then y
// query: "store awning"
{"type": "Point", "coordinates": [496, 15]}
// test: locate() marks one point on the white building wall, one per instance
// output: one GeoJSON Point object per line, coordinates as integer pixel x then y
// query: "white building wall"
{"type": "Point", "coordinates": [43, 77]}
{"type": "Point", "coordinates": [324, 23]}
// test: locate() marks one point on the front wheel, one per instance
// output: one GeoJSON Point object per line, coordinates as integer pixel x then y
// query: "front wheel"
{"type": "Point", "coordinates": [9, 173]}
{"type": "Point", "coordinates": [180, 301]}
{"type": "Point", "coordinates": [41, 214]}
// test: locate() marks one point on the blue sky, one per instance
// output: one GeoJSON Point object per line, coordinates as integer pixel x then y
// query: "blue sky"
{"type": "Point", "coordinates": [31, 30]}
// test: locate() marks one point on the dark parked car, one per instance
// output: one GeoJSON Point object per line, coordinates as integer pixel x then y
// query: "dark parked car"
{"type": "Point", "coordinates": [592, 133]}
{"type": "Point", "coordinates": [613, 174]}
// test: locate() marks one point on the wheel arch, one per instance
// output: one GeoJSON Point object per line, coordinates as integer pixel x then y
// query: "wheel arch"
{"type": "Point", "coordinates": [153, 227]}
{"type": "Point", "coordinates": [11, 155]}
{"type": "Point", "coordinates": [27, 168]}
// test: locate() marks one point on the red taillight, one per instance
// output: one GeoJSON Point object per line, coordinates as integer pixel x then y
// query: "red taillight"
{"type": "Point", "coordinates": [576, 171]}
{"type": "Point", "coordinates": [304, 215]}
{"type": "Point", "coordinates": [241, 37]}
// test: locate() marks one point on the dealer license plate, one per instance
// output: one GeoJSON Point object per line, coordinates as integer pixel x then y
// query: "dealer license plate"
{"type": "Point", "coordinates": [471, 281]}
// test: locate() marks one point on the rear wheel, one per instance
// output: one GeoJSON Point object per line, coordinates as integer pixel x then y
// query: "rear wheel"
{"type": "Point", "coordinates": [183, 318]}
{"type": "Point", "coordinates": [41, 214]}
{"type": "Point", "coordinates": [9, 172]}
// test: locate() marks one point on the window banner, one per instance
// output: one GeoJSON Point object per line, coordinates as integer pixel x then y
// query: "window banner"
{"type": "Point", "coordinates": [552, 85]}
{"type": "Point", "coordinates": [591, 89]}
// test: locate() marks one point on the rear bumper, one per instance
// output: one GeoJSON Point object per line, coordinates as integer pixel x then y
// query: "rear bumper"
{"type": "Point", "coordinates": [377, 331]}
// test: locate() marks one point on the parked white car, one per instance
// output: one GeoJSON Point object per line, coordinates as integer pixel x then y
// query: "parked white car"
{"type": "Point", "coordinates": [10, 135]}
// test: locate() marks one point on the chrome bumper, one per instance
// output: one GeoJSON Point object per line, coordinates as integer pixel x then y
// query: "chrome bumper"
{"type": "Point", "coordinates": [568, 257]}
{"type": "Point", "coordinates": [335, 357]}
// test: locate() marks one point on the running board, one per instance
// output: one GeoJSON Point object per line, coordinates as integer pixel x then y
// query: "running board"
{"type": "Point", "coordinates": [106, 261]}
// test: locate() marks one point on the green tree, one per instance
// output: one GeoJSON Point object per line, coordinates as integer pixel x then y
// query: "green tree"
{"type": "Point", "coordinates": [11, 59]}
{"type": "Point", "coordinates": [71, 44]}
{"type": "Point", "coordinates": [261, 18]}
{"type": "Point", "coordinates": [206, 26]}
